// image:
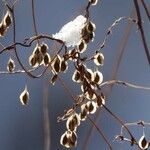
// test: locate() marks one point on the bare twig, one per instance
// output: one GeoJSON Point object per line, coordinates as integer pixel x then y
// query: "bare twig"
{"type": "Point", "coordinates": [140, 26]}
{"type": "Point", "coordinates": [126, 84]}
{"type": "Point", "coordinates": [146, 9]}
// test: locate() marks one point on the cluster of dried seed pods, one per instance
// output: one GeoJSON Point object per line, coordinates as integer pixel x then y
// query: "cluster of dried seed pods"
{"type": "Point", "coordinates": [40, 56]}
{"type": "Point", "coordinates": [69, 138]}
{"type": "Point", "coordinates": [5, 23]}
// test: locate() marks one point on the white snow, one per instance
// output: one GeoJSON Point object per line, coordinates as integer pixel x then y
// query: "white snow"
{"type": "Point", "coordinates": [70, 33]}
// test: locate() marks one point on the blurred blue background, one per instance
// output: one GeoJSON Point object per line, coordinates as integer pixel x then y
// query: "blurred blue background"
{"type": "Point", "coordinates": [21, 128]}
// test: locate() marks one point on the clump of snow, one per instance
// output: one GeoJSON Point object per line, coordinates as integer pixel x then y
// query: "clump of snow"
{"type": "Point", "coordinates": [70, 33]}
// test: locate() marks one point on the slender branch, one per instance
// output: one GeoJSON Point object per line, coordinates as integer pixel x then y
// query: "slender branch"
{"type": "Point", "coordinates": [126, 84]}
{"type": "Point", "coordinates": [47, 139]}
{"type": "Point", "coordinates": [146, 9]}
{"type": "Point", "coordinates": [101, 133]}
{"type": "Point", "coordinates": [140, 25]}
{"type": "Point", "coordinates": [34, 21]}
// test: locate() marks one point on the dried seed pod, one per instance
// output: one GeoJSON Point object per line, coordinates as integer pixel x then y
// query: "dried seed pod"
{"type": "Point", "coordinates": [46, 59]}
{"type": "Point", "coordinates": [69, 139]}
{"type": "Point", "coordinates": [33, 61]}
{"type": "Point", "coordinates": [56, 64]}
{"type": "Point", "coordinates": [89, 75]}
{"type": "Point", "coordinates": [24, 96]}
{"type": "Point", "coordinates": [39, 58]}
{"type": "Point", "coordinates": [90, 95]}
{"type": "Point", "coordinates": [93, 2]}
{"type": "Point", "coordinates": [100, 100]}
{"type": "Point", "coordinates": [37, 50]}
{"type": "Point", "coordinates": [90, 27]}
{"type": "Point", "coordinates": [10, 65]}
{"type": "Point", "coordinates": [53, 79]}
{"type": "Point", "coordinates": [84, 112]}
{"type": "Point", "coordinates": [7, 19]}
{"type": "Point", "coordinates": [73, 55]}
{"type": "Point", "coordinates": [82, 46]}
{"type": "Point", "coordinates": [98, 77]}
{"type": "Point", "coordinates": [143, 143]}
{"type": "Point", "coordinates": [44, 48]}
{"type": "Point", "coordinates": [2, 29]}
{"type": "Point", "coordinates": [76, 76]}
{"type": "Point", "coordinates": [91, 107]}
{"type": "Point", "coordinates": [73, 122]}
{"type": "Point", "coordinates": [99, 59]}
{"type": "Point", "coordinates": [64, 66]}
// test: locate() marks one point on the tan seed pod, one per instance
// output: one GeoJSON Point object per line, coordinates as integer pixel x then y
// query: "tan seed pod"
{"type": "Point", "coordinates": [90, 95]}
{"type": "Point", "coordinates": [69, 139]}
{"type": "Point", "coordinates": [10, 65]}
{"type": "Point", "coordinates": [93, 2]}
{"type": "Point", "coordinates": [2, 29]}
{"type": "Point", "coordinates": [82, 46]}
{"type": "Point", "coordinates": [91, 106]}
{"type": "Point", "coordinates": [33, 61]}
{"type": "Point", "coordinates": [91, 26]}
{"type": "Point", "coordinates": [37, 50]}
{"type": "Point", "coordinates": [76, 76]}
{"type": "Point", "coordinates": [89, 74]}
{"type": "Point", "coordinates": [84, 112]}
{"type": "Point", "coordinates": [56, 64]}
{"type": "Point", "coordinates": [143, 143]}
{"type": "Point", "coordinates": [7, 19]}
{"type": "Point", "coordinates": [24, 96]}
{"type": "Point", "coordinates": [39, 58]}
{"type": "Point", "coordinates": [46, 59]}
{"type": "Point", "coordinates": [73, 122]}
{"type": "Point", "coordinates": [98, 77]}
{"type": "Point", "coordinates": [99, 59]}
{"type": "Point", "coordinates": [100, 100]}
{"type": "Point", "coordinates": [53, 79]}
{"type": "Point", "coordinates": [64, 66]}
{"type": "Point", "coordinates": [44, 48]}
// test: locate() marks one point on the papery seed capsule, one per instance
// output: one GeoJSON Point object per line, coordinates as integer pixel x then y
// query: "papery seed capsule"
{"type": "Point", "coordinates": [143, 143]}
{"type": "Point", "coordinates": [39, 58]}
{"type": "Point", "coordinates": [91, 106]}
{"type": "Point", "coordinates": [7, 19]}
{"type": "Point", "coordinates": [37, 50]}
{"type": "Point", "coordinates": [93, 2]}
{"type": "Point", "coordinates": [73, 122]}
{"type": "Point", "coordinates": [82, 46]}
{"type": "Point", "coordinates": [76, 76]}
{"type": "Point", "coordinates": [90, 95]}
{"type": "Point", "coordinates": [98, 77]}
{"type": "Point", "coordinates": [84, 112]}
{"type": "Point", "coordinates": [33, 61]}
{"type": "Point", "coordinates": [53, 79]}
{"type": "Point", "coordinates": [2, 29]}
{"type": "Point", "coordinates": [89, 74]}
{"type": "Point", "coordinates": [10, 65]}
{"type": "Point", "coordinates": [44, 48]}
{"type": "Point", "coordinates": [24, 96]}
{"type": "Point", "coordinates": [46, 59]}
{"type": "Point", "coordinates": [69, 139]}
{"type": "Point", "coordinates": [99, 59]}
{"type": "Point", "coordinates": [64, 66]}
{"type": "Point", "coordinates": [56, 64]}
{"type": "Point", "coordinates": [100, 100]}
{"type": "Point", "coordinates": [91, 27]}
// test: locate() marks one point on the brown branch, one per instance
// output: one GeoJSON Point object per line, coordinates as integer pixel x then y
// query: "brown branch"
{"type": "Point", "coordinates": [47, 138]}
{"type": "Point", "coordinates": [101, 133]}
{"type": "Point", "coordinates": [126, 84]}
{"type": "Point", "coordinates": [146, 9]}
{"type": "Point", "coordinates": [34, 21]}
{"type": "Point", "coordinates": [140, 26]}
